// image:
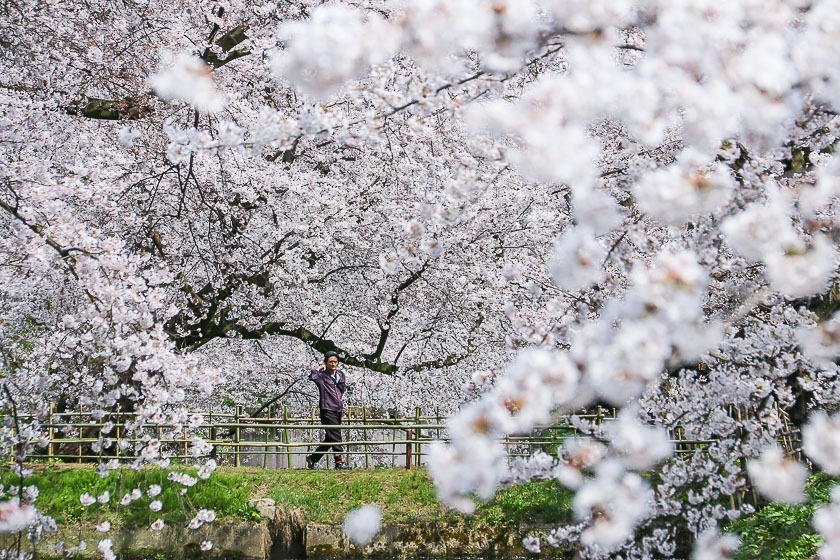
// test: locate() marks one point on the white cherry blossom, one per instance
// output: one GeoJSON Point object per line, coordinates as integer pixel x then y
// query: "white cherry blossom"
{"type": "Point", "coordinates": [362, 524]}
{"type": "Point", "coordinates": [778, 477]}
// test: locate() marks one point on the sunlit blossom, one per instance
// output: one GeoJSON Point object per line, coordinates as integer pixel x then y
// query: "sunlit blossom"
{"type": "Point", "coordinates": [187, 78]}
{"type": "Point", "coordinates": [531, 544]}
{"type": "Point", "coordinates": [361, 525]}
{"type": "Point", "coordinates": [712, 545]}
{"type": "Point", "coordinates": [778, 477]}
{"type": "Point", "coordinates": [15, 517]}
{"type": "Point", "coordinates": [821, 441]}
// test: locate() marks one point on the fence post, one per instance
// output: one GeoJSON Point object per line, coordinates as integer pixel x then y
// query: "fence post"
{"type": "Point", "coordinates": [186, 442]}
{"type": "Point", "coordinates": [51, 431]}
{"type": "Point", "coordinates": [345, 435]}
{"type": "Point", "coordinates": [81, 433]}
{"type": "Point", "coordinates": [213, 433]}
{"type": "Point", "coordinates": [365, 434]}
{"type": "Point", "coordinates": [394, 438]}
{"type": "Point", "coordinates": [267, 431]}
{"type": "Point", "coordinates": [311, 431]}
{"type": "Point", "coordinates": [437, 421]}
{"type": "Point", "coordinates": [417, 434]}
{"type": "Point", "coordinates": [160, 436]}
{"type": "Point", "coordinates": [117, 424]}
{"type": "Point", "coordinates": [286, 439]}
{"type": "Point", "coordinates": [409, 433]}
{"type": "Point", "coordinates": [236, 434]}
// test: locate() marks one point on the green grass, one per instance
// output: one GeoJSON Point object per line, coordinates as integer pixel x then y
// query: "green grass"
{"type": "Point", "coordinates": [545, 501]}
{"type": "Point", "coordinates": [775, 532]}
{"type": "Point", "coordinates": [403, 496]}
{"type": "Point", "coordinates": [784, 532]}
{"type": "Point", "coordinates": [324, 496]}
{"type": "Point", "coordinates": [61, 487]}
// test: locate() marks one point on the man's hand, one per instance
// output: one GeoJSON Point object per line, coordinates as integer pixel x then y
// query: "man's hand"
{"type": "Point", "coordinates": [321, 367]}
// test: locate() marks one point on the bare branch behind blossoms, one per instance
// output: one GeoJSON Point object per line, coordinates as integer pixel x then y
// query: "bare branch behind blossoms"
{"type": "Point", "coordinates": [220, 52]}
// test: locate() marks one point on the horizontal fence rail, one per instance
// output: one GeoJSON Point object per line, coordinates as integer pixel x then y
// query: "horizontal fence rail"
{"type": "Point", "coordinates": [280, 440]}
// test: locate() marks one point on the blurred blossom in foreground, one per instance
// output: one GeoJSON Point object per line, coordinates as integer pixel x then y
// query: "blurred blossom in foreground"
{"type": "Point", "coordinates": [821, 441]}
{"type": "Point", "coordinates": [336, 44]}
{"type": "Point", "coordinates": [362, 524]}
{"type": "Point", "coordinates": [801, 271]}
{"type": "Point", "coordinates": [187, 78]}
{"type": "Point", "coordinates": [531, 544]}
{"type": "Point", "coordinates": [15, 517]}
{"type": "Point", "coordinates": [616, 501]}
{"type": "Point", "coordinates": [436, 30]}
{"type": "Point", "coordinates": [473, 466]}
{"type": "Point", "coordinates": [690, 187]}
{"type": "Point", "coordinates": [576, 261]}
{"type": "Point", "coordinates": [711, 545]}
{"type": "Point", "coordinates": [777, 476]}
{"type": "Point", "coordinates": [106, 547]}
{"type": "Point", "coordinates": [639, 446]}
{"type": "Point", "coordinates": [761, 228]}
{"type": "Point", "coordinates": [822, 344]}
{"type": "Point", "coordinates": [827, 521]}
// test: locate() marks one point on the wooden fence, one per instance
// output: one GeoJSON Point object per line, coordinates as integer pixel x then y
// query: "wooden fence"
{"type": "Point", "coordinates": [280, 440]}
{"type": "Point", "coordinates": [277, 439]}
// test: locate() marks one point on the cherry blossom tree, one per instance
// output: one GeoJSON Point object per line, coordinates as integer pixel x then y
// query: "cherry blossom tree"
{"type": "Point", "coordinates": [618, 202]}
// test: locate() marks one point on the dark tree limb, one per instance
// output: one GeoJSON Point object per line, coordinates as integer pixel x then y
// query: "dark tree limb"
{"type": "Point", "coordinates": [216, 327]}
{"type": "Point", "coordinates": [385, 327]}
{"type": "Point", "coordinates": [131, 108]}
{"type": "Point", "coordinates": [451, 359]}
{"type": "Point", "coordinates": [227, 42]}
{"type": "Point", "coordinates": [128, 109]}
{"type": "Point", "coordinates": [288, 155]}
{"type": "Point", "coordinates": [264, 406]}
{"type": "Point", "coordinates": [823, 305]}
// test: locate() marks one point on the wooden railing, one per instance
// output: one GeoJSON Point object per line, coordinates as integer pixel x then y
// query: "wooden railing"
{"type": "Point", "coordinates": [277, 439]}
{"type": "Point", "coordinates": [280, 440]}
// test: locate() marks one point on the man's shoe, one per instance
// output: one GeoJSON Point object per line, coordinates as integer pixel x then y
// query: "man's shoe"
{"type": "Point", "coordinates": [343, 467]}
{"type": "Point", "coordinates": [310, 463]}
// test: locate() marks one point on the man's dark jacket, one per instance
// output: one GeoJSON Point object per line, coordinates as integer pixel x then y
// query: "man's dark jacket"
{"type": "Point", "coordinates": [331, 391]}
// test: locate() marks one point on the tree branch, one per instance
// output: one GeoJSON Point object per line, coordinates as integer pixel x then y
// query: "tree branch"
{"type": "Point", "coordinates": [66, 253]}
{"type": "Point", "coordinates": [129, 109]}
{"type": "Point", "coordinates": [227, 42]}
{"type": "Point", "coordinates": [385, 328]}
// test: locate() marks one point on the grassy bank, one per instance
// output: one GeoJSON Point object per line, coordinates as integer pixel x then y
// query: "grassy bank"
{"type": "Point", "coordinates": [784, 531]}
{"type": "Point", "coordinates": [324, 496]}
{"type": "Point", "coordinates": [775, 532]}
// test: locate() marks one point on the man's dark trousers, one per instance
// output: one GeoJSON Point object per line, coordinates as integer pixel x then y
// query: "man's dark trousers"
{"type": "Point", "coordinates": [329, 417]}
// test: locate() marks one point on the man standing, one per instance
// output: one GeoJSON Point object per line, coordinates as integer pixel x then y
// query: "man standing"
{"type": "Point", "coordinates": [331, 387]}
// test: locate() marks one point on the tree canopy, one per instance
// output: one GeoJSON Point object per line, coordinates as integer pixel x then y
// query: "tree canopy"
{"type": "Point", "coordinates": [631, 203]}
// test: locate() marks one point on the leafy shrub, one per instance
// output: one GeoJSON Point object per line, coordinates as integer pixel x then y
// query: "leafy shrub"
{"type": "Point", "coordinates": [782, 531]}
